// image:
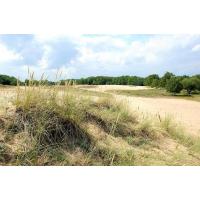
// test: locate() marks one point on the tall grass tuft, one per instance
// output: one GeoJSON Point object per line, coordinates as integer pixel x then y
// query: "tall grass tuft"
{"type": "Point", "coordinates": [50, 114]}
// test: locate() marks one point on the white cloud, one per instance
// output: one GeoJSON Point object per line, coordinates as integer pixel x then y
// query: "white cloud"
{"type": "Point", "coordinates": [196, 48]}
{"type": "Point", "coordinates": [88, 55]}
{"type": "Point", "coordinates": [43, 62]}
{"type": "Point", "coordinates": [8, 55]}
{"type": "Point", "coordinates": [107, 50]}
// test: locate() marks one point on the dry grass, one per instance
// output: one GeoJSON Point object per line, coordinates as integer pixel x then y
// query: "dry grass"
{"type": "Point", "coordinates": [68, 126]}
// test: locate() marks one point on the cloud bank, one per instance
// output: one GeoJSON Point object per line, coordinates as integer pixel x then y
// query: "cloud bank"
{"type": "Point", "coordinates": [91, 55]}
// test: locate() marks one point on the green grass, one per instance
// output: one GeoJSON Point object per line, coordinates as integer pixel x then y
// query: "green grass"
{"type": "Point", "coordinates": [156, 93]}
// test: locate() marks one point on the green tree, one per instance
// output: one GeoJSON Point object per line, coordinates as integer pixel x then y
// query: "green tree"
{"type": "Point", "coordinates": [8, 80]}
{"type": "Point", "coordinates": [191, 84]}
{"type": "Point", "coordinates": [155, 83]}
{"type": "Point", "coordinates": [149, 79]}
{"type": "Point", "coordinates": [165, 78]}
{"type": "Point", "coordinates": [174, 85]}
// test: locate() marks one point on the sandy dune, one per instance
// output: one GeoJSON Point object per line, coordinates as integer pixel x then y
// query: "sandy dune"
{"type": "Point", "coordinates": [184, 111]}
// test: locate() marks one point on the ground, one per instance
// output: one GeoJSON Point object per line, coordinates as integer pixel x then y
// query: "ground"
{"type": "Point", "coordinates": [92, 125]}
{"type": "Point", "coordinates": [186, 112]}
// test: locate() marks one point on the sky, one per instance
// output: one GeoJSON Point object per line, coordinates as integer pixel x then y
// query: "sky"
{"type": "Point", "coordinates": [76, 56]}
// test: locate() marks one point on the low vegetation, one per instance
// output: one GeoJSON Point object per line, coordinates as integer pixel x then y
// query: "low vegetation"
{"type": "Point", "coordinates": [64, 125]}
{"type": "Point", "coordinates": [157, 93]}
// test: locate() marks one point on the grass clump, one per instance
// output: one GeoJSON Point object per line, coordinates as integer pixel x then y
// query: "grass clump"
{"type": "Point", "coordinates": [112, 116]}
{"type": "Point", "coordinates": [50, 116]}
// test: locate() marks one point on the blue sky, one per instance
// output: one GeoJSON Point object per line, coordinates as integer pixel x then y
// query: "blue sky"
{"type": "Point", "coordinates": [91, 55]}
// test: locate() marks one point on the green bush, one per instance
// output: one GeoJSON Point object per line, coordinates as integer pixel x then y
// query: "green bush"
{"type": "Point", "coordinates": [174, 85]}
{"type": "Point", "coordinates": [191, 84]}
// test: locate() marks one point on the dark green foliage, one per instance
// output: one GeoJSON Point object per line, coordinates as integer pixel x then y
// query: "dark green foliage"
{"type": "Point", "coordinates": [191, 84]}
{"type": "Point", "coordinates": [7, 80]}
{"type": "Point", "coordinates": [149, 79]}
{"type": "Point", "coordinates": [174, 85]}
{"type": "Point", "coordinates": [155, 83]}
{"type": "Point", "coordinates": [165, 78]}
{"type": "Point", "coordinates": [106, 80]}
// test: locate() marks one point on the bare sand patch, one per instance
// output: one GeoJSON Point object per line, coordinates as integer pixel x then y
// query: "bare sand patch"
{"type": "Point", "coordinates": [104, 88]}
{"type": "Point", "coordinates": [183, 111]}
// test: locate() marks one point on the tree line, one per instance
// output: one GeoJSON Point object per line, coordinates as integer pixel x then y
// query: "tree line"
{"type": "Point", "coordinates": [169, 81]}
{"type": "Point", "coordinates": [7, 80]}
{"type": "Point", "coordinates": [172, 83]}
{"type": "Point", "coordinates": [106, 80]}
{"type": "Point", "coordinates": [11, 80]}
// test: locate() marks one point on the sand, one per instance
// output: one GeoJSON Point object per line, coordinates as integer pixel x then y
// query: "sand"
{"type": "Point", "coordinates": [182, 111]}
{"type": "Point", "coordinates": [105, 88]}
{"type": "Point", "coordinates": [185, 112]}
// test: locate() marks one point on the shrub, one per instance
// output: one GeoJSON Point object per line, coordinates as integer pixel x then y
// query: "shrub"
{"type": "Point", "coordinates": [191, 84]}
{"type": "Point", "coordinates": [173, 85]}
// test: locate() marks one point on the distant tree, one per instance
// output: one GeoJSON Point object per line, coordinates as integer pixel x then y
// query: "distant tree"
{"type": "Point", "coordinates": [174, 85]}
{"type": "Point", "coordinates": [8, 80]}
{"type": "Point", "coordinates": [155, 83]}
{"type": "Point", "coordinates": [165, 78]}
{"type": "Point", "coordinates": [191, 84]}
{"type": "Point", "coordinates": [149, 79]}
